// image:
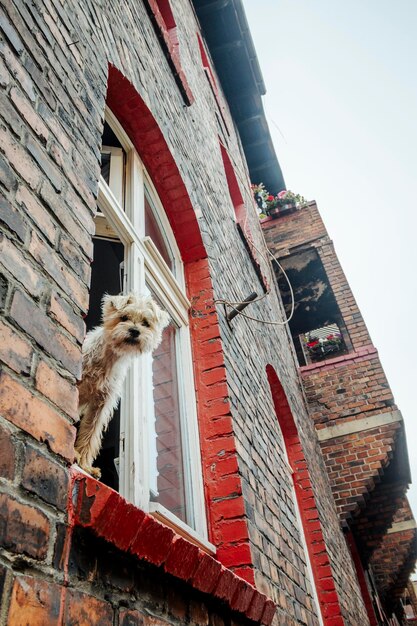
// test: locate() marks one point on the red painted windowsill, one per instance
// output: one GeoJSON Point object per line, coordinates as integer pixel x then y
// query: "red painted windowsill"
{"type": "Point", "coordinates": [95, 506]}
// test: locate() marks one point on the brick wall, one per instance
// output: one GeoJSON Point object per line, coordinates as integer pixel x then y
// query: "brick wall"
{"type": "Point", "coordinates": [54, 66]}
{"type": "Point", "coordinates": [394, 558]}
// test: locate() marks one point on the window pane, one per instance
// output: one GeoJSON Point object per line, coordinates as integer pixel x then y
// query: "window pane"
{"type": "Point", "coordinates": [169, 451]}
{"type": "Point", "coordinates": [153, 231]}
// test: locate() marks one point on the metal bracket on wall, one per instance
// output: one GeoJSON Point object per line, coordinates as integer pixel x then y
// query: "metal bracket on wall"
{"type": "Point", "coordinates": [239, 307]}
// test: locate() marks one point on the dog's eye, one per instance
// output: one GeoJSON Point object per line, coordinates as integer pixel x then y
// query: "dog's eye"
{"type": "Point", "coordinates": [124, 318]}
{"type": "Point", "coordinates": [145, 323]}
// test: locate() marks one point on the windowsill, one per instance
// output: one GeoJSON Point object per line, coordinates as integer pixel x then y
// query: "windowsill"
{"type": "Point", "coordinates": [338, 361]}
{"type": "Point", "coordinates": [162, 514]}
{"type": "Point", "coordinates": [95, 506]}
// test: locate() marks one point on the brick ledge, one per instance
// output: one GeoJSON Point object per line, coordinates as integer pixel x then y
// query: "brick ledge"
{"type": "Point", "coordinates": [359, 354]}
{"type": "Point", "coordinates": [95, 506]}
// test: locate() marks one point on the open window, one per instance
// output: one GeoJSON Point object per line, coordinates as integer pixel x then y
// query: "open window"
{"type": "Point", "coordinates": [317, 326]}
{"type": "Point", "coordinates": [150, 452]}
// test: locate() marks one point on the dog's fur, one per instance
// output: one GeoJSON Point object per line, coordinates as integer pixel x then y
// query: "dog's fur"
{"type": "Point", "coordinates": [132, 325]}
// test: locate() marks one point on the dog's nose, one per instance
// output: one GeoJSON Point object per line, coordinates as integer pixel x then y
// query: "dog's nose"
{"type": "Point", "coordinates": [134, 332]}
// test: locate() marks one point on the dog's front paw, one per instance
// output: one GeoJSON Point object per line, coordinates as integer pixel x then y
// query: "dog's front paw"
{"type": "Point", "coordinates": [94, 471]}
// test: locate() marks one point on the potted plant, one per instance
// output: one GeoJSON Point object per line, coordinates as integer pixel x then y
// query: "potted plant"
{"type": "Point", "coordinates": [273, 206]}
{"type": "Point", "coordinates": [289, 200]}
{"type": "Point", "coordinates": [320, 348]}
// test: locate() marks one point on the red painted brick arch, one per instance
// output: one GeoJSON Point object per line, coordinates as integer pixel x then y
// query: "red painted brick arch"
{"type": "Point", "coordinates": [319, 558]}
{"type": "Point", "coordinates": [222, 484]}
{"type": "Point", "coordinates": [146, 136]}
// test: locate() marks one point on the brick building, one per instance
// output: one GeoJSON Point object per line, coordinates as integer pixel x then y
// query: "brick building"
{"type": "Point", "coordinates": [237, 487]}
{"type": "Point", "coordinates": [359, 427]}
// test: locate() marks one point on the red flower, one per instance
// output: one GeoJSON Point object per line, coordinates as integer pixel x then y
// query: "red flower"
{"type": "Point", "coordinates": [311, 344]}
{"type": "Point", "coordinates": [270, 198]}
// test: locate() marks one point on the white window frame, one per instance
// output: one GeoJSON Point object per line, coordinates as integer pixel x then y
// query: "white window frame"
{"type": "Point", "coordinates": [300, 527]}
{"type": "Point", "coordinates": [144, 266]}
{"type": "Point", "coordinates": [116, 181]}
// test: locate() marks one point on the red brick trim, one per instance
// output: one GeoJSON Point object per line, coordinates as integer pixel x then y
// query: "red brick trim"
{"type": "Point", "coordinates": [145, 134]}
{"type": "Point", "coordinates": [207, 67]}
{"type": "Point", "coordinates": [210, 76]}
{"type": "Point", "coordinates": [361, 354]}
{"type": "Point", "coordinates": [312, 526]}
{"type": "Point", "coordinates": [108, 515]}
{"type": "Point", "coordinates": [222, 484]}
{"type": "Point", "coordinates": [360, 572]}
{"type": "Point", "coordinates": [164, 21]}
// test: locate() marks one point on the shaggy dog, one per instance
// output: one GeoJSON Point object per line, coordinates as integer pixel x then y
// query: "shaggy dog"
{"type": "Point", "coordinates": [132, 325]}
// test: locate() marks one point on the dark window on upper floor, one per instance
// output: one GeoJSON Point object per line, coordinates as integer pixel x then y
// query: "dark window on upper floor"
{"type": "Point", "coordinates": [317, 327]}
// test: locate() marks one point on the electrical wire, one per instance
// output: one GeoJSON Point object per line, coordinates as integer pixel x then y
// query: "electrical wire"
{"type": "Point", "coordinates": [233, 305]}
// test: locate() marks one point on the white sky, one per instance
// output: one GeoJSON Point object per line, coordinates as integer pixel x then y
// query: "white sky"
{"type": "Point", "coordinates": [341, 79]}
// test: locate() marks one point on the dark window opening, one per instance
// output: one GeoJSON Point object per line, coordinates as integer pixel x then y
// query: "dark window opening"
{"type": "Point", "coordinates": [109, 138]}
{"type": "Point", "coordinates": [109, 141]}
{"type": "Point", "coordinates": [105, 166]}
{"type": "Point", "coordinates": [317, 317]}
{"type": "Point", "coordinates": [106, 277]}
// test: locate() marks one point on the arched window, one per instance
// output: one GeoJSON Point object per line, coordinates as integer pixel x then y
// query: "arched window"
{"type": "Point", "coordinates": [151, 451]}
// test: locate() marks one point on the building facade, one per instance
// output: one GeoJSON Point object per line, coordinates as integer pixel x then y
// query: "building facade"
{"type": "Point", "coordinates": [130, 135]}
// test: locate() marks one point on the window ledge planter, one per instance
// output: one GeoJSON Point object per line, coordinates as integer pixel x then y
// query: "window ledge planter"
{"type": "Point", "coordinates": [274, 206]}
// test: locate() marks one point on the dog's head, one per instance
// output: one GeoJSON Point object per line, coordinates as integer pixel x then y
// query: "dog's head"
{"type": "Point", "coordinates": [133, 323]}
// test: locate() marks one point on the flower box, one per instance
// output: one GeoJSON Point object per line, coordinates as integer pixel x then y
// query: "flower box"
{"type": "Point", "coordinates": [284, 202]}
{"type": "Point", "coordinates": [275, 211]}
